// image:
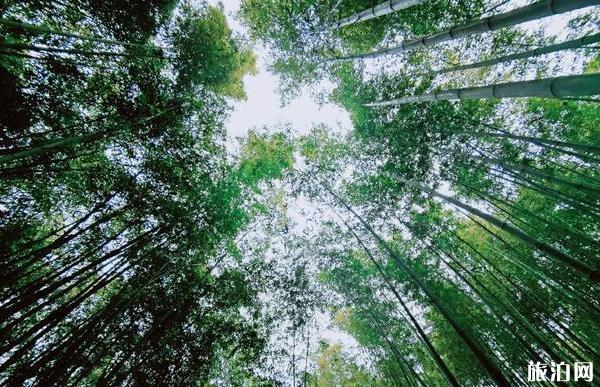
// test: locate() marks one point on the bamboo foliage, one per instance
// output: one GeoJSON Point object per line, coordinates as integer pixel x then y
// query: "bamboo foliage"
{"type": "Point", "coordinates": [120, 224]}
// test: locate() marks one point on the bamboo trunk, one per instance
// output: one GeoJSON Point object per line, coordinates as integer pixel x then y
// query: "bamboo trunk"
{"type": "Point", "coordinates": [46, 30]}
{"type": "Point", "coordinates": [537, 10]}
{"type": "Point", "coordinates": [92, 324]}
{"type": "Point", "coordinates": [29, 338]}
{"type": "Point", "coordinates": [559, 87]}
{"type": "Point", "coordinates": [400, 358]}
{"type": "Point", "coordinates": [382, 9]}
{"type": "Point", "coordinates": [434, 353]}
{"type": "Point", "coordinates": [31, 47]}
{"type": "Point", "coordinates": [525, 170]}
{"type": "Point", "coordinates": [57, 145]}
{"type": "Point", "coordinates": [557, 285]}
{"type": "Point", "coordinates": [508, 306]}
{"type": "Point", "coordinates": [538, 141]}
{"type": "Point", "coordinates": [575, 43]}
{"type": "Point", "coordinates": [49, 147]}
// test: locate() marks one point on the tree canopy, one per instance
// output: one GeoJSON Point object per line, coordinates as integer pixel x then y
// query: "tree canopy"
{"type": "Point", "coordinates": [450, 236]}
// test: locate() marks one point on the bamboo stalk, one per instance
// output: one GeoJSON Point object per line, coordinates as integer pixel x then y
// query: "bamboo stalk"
{"type": "Point", "coordinates": [422, 335]}
{"type": "Point", "coordinates": [558, 87]}
{"type": "Point", "coordinates": [46, 30]}
{"type": "Point", "coordinates": [589, 272]}
{"type": "Point", "coordinates": [494, 372]}
{"type": "Point", "coordinates": [537, 140]}
{"type": "Point", "coordinates": [32, 47]}
{"type": "Point", "coordinates": [379, 10]}
{"type": "Point", "coordinates": [575, 43]}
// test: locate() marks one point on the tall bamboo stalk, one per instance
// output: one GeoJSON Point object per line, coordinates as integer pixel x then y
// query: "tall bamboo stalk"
{"type": "Point", "coordinates": [46, 30]}
{"type": "Point", "coordinates": [381, 9]}
{"type": "Point", "coordinates": [32, 47]}
{"type": "Point", "coordinates": [537, 10]}
{"type": "Point", "coordinates": [537, 140]}
{"type": "Point", "coordinates": [402, 361]}
{"type": "Point", "coordinates": [522, 168]}
{"type": "Point", "coordinates": [575, 43]}
{"type": "Point", "coordinates": [57, 145]}
{"type": "Point", "coordinates": [558, 87]}
{"type": "Point", "coordinates": [422, 335]}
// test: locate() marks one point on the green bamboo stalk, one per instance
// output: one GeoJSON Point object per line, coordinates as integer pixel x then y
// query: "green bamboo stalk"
{"type": "Point", "coordinates": [49, 147]}
{"type": "Point", "coordinates": [575, 43]}
{"type": "Point", "coordinates": [32, 47]}
{"type": "Point", "coordinates": [537, 10]}
{"type": "Point", "coordinates": [558, 87]}
{"type": "Point", "coordinates": [399, 356]}
{"type": "Point", "coordinates": [514, 314]}
{"type": "Point", "coordinates": [523, 169]}
{"type": "Point", "coordinates": [46, 30]}
{"type": "Point", "coordinates": [422, 335]}
{"type": "Point", "coordinates": [538, 141]}
{"type": "Point", "coordinates": [381, 9]}
{"type": "Point", "coordinates": [56, 145]}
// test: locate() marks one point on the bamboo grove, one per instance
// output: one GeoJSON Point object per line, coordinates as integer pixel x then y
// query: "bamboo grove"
{"type": "Point", "coordinates": [453, 231]}
{"type": "Point", "coordinates": [465, 238]}
{"type": "Point", "coordinates": [120, 209]}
